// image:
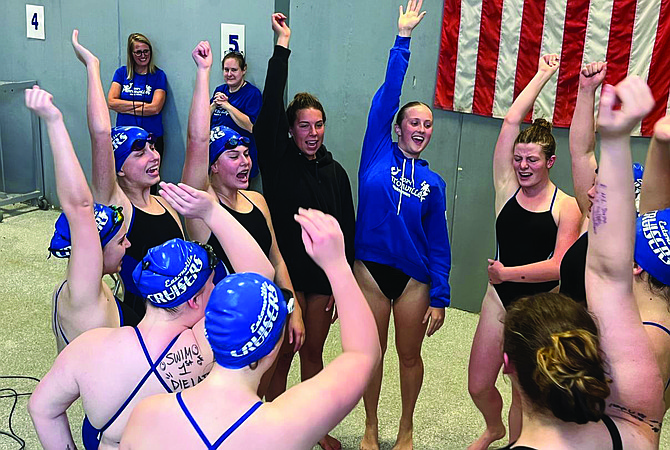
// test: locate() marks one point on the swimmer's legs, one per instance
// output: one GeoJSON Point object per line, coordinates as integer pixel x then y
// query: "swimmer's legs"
{"type": "Point", "coordinates": [317, 324]}
{"type": "Point", "coordinates": [381, 309]}
{"type": "Point", "coordinates": [486, 359]}
{"type": "Point", "coordinates": [408, 313]}
{"type": "Point", "coordinates": [278, 374]}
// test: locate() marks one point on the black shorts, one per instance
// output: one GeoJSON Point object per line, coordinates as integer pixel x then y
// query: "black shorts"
{"type": "Point", "coordinates": [391, 281]}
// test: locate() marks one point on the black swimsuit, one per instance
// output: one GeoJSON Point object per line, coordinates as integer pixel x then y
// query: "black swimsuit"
{"type": "Point", "coordinates": [391, 281]}
{"type": "Point", "coordinates": [573, 268]}
{"type": "Point", "coordinates": [524, 237]}
{"type": "Point", "coordinates": [145, 232]}
{"type": "Point", "coordinates": [254, 222]}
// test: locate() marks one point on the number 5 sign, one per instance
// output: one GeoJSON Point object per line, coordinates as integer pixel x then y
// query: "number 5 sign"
{"type": "Point", "coordinates": [35, 21]}
{"type": "Point", "coordinates": [232, 38]}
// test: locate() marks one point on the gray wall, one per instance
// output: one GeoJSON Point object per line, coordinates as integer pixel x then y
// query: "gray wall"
{"type": "Point", "coordinates": [340, 51]}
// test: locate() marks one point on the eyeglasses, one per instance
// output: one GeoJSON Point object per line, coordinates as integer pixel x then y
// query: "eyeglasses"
{"type": "Point", "coordinates": [234, 142]}
{"type": "Point", "coordinates": [117, 219]}
{"type": "Point", "coordinates": [144, 52]}
{"type": "Point", "coordinates": [139, 144]}
{"type": "Point", "coordinates": [290, 299]}
{"type": "Point", "coordinates": [211, 256]}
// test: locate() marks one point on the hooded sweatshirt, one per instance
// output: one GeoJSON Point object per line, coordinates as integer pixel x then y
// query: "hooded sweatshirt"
{"type": "Point", "coordinates": [402, 208]}
{"type": "Point", "coordinates": [290, 181]}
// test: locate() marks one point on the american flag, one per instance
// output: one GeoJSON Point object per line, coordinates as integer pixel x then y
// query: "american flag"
{"type": "Point", "coordinates": [490, 49]}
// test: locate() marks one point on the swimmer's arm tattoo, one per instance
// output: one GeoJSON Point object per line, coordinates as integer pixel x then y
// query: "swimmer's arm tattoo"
{"type": "Point", "coordinates": [599, 213]}
{"type": "Point", "coordinates": [655, 425]}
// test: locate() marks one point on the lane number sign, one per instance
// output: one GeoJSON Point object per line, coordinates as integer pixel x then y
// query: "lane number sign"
{"type": "Point", "coordinates": [232, 38]}
{"type": "Point", "coordinates": [35, 21]}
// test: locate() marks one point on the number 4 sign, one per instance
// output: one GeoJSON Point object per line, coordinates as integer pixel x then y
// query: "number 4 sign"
{"type": "Point", "coordinates": [35, 21]}
{"type": "Point", "coordinates": [232, 38]}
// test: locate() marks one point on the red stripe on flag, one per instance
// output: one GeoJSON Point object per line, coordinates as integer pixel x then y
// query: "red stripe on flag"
{"type": "Point", "coordinates": [659, 75]}
{"type": "Point", "coordinates": [487, 57]}
{"type": "Point", "coordinates": [574, 35]}
{"type": "Point", "coordinates": [532, 24]}
{"type": "Point", "coordinates": [620, 39]}
{"type": "Point", "coordinates": [446, 65]}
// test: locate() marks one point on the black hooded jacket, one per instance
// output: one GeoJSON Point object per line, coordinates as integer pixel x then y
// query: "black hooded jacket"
{"type": "Point", "coordinates": [290, 181]}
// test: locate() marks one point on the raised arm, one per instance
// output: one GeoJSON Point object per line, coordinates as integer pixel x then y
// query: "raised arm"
{"type": "Point", "coordinates": [504, 178]}
{"type": "Point", "coordinates": [340, 385]}
{"type": "Point", "coordinates": [196, 162]}
{"type": "Point", "coordinates": [105, 187]}
{"type": "Point", "coordinates": [609, 280]}
{"type": "Point", "coordinates": [386, 102]}
{"type": "Point", "coordinates": [242, 249]}
{"type": "Point", "coordinates": [655, 193]}
{"type": "Point", "coordinates": [85, 267]}
{"type": "Point", "coordinates": [271, 127]}
{"type": "Point", "coordinates": [583, 132]}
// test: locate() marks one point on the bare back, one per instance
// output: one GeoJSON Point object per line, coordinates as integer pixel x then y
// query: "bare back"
{"type": "Point", "coordinates": [111, 362]}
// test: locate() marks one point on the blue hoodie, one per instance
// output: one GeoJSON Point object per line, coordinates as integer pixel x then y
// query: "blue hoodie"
{"type": "Point", "coordinates": [402, 208]}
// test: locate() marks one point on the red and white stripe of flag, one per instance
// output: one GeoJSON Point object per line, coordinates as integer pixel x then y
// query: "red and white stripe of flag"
{"type": "Point", "coordinates": [489, 51]}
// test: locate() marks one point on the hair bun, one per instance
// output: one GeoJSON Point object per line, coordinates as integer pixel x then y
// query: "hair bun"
{"type": "Point", "coordinates": [570, 370]}
{"type": "Point", "coordinates": [542, 123]}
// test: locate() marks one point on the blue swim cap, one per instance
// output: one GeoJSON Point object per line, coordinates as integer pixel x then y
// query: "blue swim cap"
{"type": "Point", "coordinates": [244, 319]}
{"type": "Point", "coordinates": [108, 219]}
{"type": "Point", "coordinates": [652, 240]}
{"type": "Point", "coordinates": [127, 139]}
{"type": "Point", "coordinates": [173, 272]}
{"type": "Point", "coordinates": [223, 138]}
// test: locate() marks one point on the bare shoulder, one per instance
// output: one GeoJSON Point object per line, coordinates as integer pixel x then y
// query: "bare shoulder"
{"type": "Point", "coordinates": [255, 197]}
{"type": "Point", "coordinates": [98, 344]}
{"type": "Point", "coordinates": [258, 200]}
{"type": "Point", "coordinates": [155, 406]}
{"type": "Point", "coordinates": [566, 207]}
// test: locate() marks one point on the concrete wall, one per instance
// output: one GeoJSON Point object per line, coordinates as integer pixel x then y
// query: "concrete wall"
{"type": "Point", "coordinates": [340, 51]}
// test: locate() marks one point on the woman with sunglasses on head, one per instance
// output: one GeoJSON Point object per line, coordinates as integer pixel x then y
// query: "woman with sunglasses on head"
{"type": "Point", "coordinates": [224, 411]}
{"type": "Point", "coordinates": [138, 90]}
{"type": "Point", "coordinates": [218, 161]}
{"type": "Point", "coordinates": [125, 167]}
{"type": "Point", "coordinates": [588, 383]}
{"type": "Point", "coordinates": [403, 256]}
{"type": "Point", "coordinates": [82, 301]}
{"type": "Point", "coordinates": [299, 172]}
{"type": "Point", "coordinates": [536, 223]}
{"type": "Point", "coordinates": [236, 104]}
